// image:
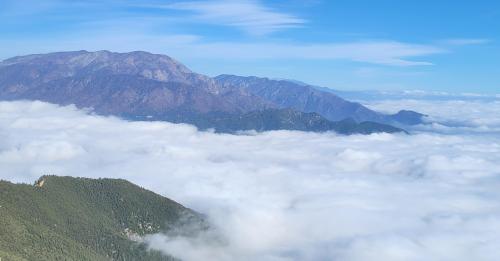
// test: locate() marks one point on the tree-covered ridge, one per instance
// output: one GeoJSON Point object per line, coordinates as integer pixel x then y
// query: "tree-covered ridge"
{"type": "Point", "coordinates": [65, 218]}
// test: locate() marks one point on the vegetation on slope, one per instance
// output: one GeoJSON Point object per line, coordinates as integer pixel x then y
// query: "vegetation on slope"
{"type": "Point", "coordinates": [64, 218]}
{"type": "Point", "coordinates": [272, 119]}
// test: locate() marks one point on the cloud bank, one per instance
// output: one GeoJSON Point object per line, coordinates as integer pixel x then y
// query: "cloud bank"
{"type": "Point", "coordinates": [479, 115]}
{"type": "Point", "coordinates": [281, 195]}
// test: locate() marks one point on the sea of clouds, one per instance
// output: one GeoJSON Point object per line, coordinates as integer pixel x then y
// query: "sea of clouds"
{"type": "Point", "coordinates": [459, 116]}
{"type": "Point", "coordinates": [283, 195]}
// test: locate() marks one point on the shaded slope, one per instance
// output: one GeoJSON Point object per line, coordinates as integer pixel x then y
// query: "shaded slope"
{"type": "Point", "coordinates": [288, 119]}
{"type": "Point", "coordinates": [287, 94]}
{"type": "Point", "coordinates": [83, 219]}
{"type": "Point", "coordinates": [273, 119]}
{"type": "Point", "coordinates": [308, 98]}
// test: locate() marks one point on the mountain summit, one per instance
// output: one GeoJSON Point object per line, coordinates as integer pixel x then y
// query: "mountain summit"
{"type": "Point", "coordinates": [118, 83]}
{"type": "Point", "coordinates": [145, 86]}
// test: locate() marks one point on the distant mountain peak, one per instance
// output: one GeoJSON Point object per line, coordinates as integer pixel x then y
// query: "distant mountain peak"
{"type": "Point", "coordinates": [119, 83]}
{"type": "Point", "coordinates": [286, 93]}
{"type": "Point", "coordinates": [151, 66]}
{"type": "Point", "coordinates": [140, 84]}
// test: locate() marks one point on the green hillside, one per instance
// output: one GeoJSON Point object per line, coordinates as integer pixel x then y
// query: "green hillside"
{"type": "Point", "coordinates": [65, 218]}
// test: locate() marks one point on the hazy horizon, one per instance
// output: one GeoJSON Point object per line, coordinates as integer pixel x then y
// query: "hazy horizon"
{"type": "Point", "coordinates": [355, 45]}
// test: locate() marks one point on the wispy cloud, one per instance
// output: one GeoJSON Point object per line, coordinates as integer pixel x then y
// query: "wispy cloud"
{"type": "Point", "coordinates": [129, 29]}
{"type": "Point", "coordinates": [250, 16]}
{"type": "Point", "coordinates": [390, 53]}
{"type": "Point", "coordinates": [465, 41]}
{"type": "Point", "coordinates": [374, 52]}
{"type": "Point", "coordinates": [451, 114]}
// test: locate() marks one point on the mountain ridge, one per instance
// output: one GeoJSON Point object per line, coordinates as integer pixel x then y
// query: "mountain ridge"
{"type": "Point", "coordinates": [272, 120]}
{"type": "Point", "coordinates": [308, 98]}
{"type": "Point", "coordinates": [66, 218]}
{"type": "Point", "coordinates": [36, 76]}
{"type": "Point", "coordinates": [139, 84]}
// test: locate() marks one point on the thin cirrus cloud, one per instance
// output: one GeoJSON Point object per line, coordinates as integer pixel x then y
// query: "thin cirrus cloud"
{"type": "Point", "coordinates": [374, 52]}
{"type": "Point", "coordinates": [134, 32]}
{"type": "Point", "coordinates": [183, 47]}
{"type": "Point", "coordinates": [98, 26]}
{"type": "Point", "coordinates": [465, 41]}
{"type": "Point", "coordinates": [250, 16]}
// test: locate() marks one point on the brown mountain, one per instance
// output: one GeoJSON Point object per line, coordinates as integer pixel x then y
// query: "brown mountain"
{"type": "Point", "coordinates": [145, 86]}
{"type": "Point", "coordinates": [119, 83]}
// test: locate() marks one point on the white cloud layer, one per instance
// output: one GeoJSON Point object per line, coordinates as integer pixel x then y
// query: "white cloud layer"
{"type": "Point", "coordinates": [282, 195]}
{"type": "Point", "coordinates": [480, 116]}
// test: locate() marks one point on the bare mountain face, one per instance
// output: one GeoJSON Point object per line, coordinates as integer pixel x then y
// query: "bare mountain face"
{"type": "Point", "coordinates": [119, 83]}
{"type": "Point", "coordinates": [145, 86]}
{"type": "Point", "coordinates": [308, 98]}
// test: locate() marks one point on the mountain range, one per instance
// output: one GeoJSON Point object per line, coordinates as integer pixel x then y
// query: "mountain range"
{"type": "Point", "coordinates": [145, 86]}
{"type": "Point", "coordinates": [65, 218]}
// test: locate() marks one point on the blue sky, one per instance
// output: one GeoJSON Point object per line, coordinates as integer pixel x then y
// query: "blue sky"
{"type": "Point", "coordinates": [441, 45]}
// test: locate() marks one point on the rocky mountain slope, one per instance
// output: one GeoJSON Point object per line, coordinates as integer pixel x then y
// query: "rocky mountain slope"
{"type": "Point", "coordinates": [64, 218]}
{"type": "Point", "coordinates": [140, 85]}
{"type": "Point", "coordinates": [308, 98]}
{"type": "Point", "coordinates": [114, 83]}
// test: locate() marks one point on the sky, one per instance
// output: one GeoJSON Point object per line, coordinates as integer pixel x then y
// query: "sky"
{"type": "Point", "coordinates": [446, 45]}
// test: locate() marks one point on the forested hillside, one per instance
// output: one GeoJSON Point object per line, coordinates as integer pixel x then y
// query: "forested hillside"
{"type": "Point", "coordinates": [64, 218]}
